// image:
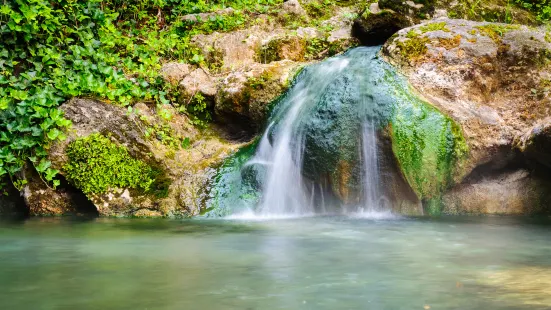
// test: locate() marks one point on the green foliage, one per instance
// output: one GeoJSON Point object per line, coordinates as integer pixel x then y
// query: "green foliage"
{"type": "Point", "coordinates": [199, 111]}
{"type": "Point", "coordinates": [111, 49]}
{"type": "Point", "coordinates": [51, 51]}
{"type": "Point", "coordinates": [96, 164]}
{"type": "Point", "coordinates": [541, 8]}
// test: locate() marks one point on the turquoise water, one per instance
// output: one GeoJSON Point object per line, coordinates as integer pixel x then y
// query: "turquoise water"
{"type": "Point", "coordinates": [308, 263]}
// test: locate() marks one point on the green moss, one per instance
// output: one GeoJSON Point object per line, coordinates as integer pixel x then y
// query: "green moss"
{"type": "Point", "coordinates": [415, 47]}
{"type": "Point", "coordinates": [429, 146]}
{"type": "Point", "coordinates": [96, 164]}
{"type": "Point", "coordinates": [495, 31]}
{"type": "Point", "coordinates": [434, 27]}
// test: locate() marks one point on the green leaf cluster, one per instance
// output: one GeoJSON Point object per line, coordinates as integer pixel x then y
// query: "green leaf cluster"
{"type": "Point", "coordinates": [95, 164]}
{"type": "Point", "coordinates": [542, 8]}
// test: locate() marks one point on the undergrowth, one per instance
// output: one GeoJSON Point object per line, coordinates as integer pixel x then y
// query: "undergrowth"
{"type": "Point", "coordinates": [112, 49]}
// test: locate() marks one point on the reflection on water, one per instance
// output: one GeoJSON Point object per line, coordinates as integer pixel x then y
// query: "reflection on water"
{"type": "Point", "coordinates": [309, 263]}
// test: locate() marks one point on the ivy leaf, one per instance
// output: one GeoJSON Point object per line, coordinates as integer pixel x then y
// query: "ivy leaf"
{"type": "Point", "coordinates": [43, 165]}
{"type": "Point", "coordinates": [54, 134]}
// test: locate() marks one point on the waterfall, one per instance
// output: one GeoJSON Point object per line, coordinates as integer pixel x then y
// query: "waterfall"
{"type": "Point", "coordinates": [319, 153]}
{"type": "Point", "coordinates": [285, 190]}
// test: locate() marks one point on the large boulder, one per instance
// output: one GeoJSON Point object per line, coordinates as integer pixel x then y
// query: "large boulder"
{"type": "Point", "coordinates": [490, 79]}
{"type": "Point", "coordinates": [162, 140]}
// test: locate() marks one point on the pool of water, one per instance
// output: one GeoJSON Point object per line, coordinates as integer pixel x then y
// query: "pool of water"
{"type": "Point", "coordinates": [307, 263]}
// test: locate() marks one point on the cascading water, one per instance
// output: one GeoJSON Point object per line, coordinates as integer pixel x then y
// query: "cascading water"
{"type": "Point", "coordinates": [284, 189]}
{"type": "Point", "coordinates": [327, 121]}
{"type": "Point", "coordinates": [320, 152]}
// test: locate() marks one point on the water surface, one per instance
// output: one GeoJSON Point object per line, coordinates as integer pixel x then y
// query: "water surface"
{"type": "Point", "coordinates": [307, 263]}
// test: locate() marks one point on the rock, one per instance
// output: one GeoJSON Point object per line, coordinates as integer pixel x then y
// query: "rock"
{"type": "Point", "coordinates": [199, 82]}
{"type": "Point", "coordinates": [490, 79]}
{"type": "Point", "coordinates": [174, 72]}
{"type": "Point", "coordinates": [293, 7]}
{"type": "Point", "coordinates": [280, 48]}
{"type": "Point", "coordinates": [193, 18]}
{"type": "Point", "coordinates": [244, 97]}
{"type": "Point", "coordinates": [481, 75]}
{"type": "Point", "coordinates": [536, 142]}
{"type": "Point", "coordinates": [179, 166]}
{"type": "Point", "coordinates": [268, 51]}
{"type": "Point", "coordinates": [510, 192]}
{"type": "Point", "coordinates": [42, 200]}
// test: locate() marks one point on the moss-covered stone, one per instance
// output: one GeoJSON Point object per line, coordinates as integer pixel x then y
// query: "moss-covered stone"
{"type": "Point", "coordinates": [414, 47]}
{"type": "Point", "coordinates": [496, 31]}
{"type": "Point", "coordinates": [429, 146]}
{"type": "Point", "coordinates": [434, 27]}
{"type": "Point", "coordinates": [293, 48]}
{"type": "Point", "coordinates": [96, 164]}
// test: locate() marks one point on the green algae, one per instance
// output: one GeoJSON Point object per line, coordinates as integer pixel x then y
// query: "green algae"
{"type": "Point", "coordinates": [429, 146]}
{"type": "Point", "coordinates": [233, 187]}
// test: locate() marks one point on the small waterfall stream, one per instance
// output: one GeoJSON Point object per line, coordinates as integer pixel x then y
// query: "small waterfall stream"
{"type": "Point", "coordinates": [280, 155]}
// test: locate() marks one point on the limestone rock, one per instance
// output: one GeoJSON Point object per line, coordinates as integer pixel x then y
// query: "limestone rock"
{"type": "Point", "coordinates": [293, 7]}
{"type": "Point", "coordinates": [490, 79]}
{"type": "Point", "coordinates": [510, 192]}
{"type": "Point", "coordinates": [174, 72]}
{"type": "Point", "coordinates": [199, 82]}
{"type": "Point", "coordinates": [244, 96]}
{"type": "Point", "coordinates": [482, 75]}
{"type": "Point", "coordinates": [536, 142]}
{"type": "Point", "coordinates": [128, 129]}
